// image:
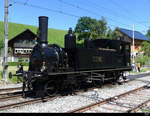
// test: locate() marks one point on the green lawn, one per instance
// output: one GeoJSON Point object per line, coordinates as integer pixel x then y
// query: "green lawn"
{"type": "Point", "coordinates": [12, 69]}
{"type": "Point", "coordinates": [54, 35]}
{"type": "Point", "coordinates": [142, 70]}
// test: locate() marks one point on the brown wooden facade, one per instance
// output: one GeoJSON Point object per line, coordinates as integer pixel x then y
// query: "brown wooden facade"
{"type": "Point", "coordinates": [22, 44]}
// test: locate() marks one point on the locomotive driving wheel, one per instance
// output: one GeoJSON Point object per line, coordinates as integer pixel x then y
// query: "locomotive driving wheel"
{"type": "Point", "coordinates": [50, 88]}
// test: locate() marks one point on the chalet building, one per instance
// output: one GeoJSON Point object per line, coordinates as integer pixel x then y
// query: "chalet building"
{"type": "Point", "coordinates": [138, 39]}
{"type": "Point", "coordinates": [21, 45]}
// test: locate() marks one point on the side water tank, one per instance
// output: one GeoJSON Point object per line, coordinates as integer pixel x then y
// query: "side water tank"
{"type": "Point", "coordinates": [70, 39]}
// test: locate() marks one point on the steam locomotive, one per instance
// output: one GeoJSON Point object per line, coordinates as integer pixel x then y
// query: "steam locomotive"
{"type": "Point", "coordinates": [53, 68]}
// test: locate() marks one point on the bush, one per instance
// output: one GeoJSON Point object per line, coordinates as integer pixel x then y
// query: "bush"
{"type": "Point", "coordinates": [16, 63]}
{"type": "Point", "coordinates": [143, 60]}
{"type": "Point", "coordinates": [15, 79]}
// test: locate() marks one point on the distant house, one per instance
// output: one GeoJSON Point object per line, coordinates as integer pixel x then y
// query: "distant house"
{"type": "Point", "coordinates": [21, 45]}
{"type": "Point", "coordinates": [138, 38]}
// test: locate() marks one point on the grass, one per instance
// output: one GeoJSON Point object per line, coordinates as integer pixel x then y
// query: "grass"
{"type": "Point", "coordinates": [12, 69]}
{"type": "Point", "coordinates": [145, 69]}
{"type": "Point", "coordinates": [146, 111]}
{"type": "Point", "coordinates": [54, 35]}
{"type": "Point", "coordinates": [142, 70]}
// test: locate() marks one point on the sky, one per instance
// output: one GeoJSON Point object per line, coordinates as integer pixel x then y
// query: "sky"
{"type": "Point", "coordinates": [65, 13]}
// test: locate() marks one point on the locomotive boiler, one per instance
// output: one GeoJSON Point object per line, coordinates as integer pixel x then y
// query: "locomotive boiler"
{"type": "Point", "coordinates": [53, 68]}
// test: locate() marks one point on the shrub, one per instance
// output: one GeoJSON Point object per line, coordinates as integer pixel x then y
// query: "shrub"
{"type": "Point", "coordinates": [15, 79]}
{"type": "Point", "coordinates": [16, 63]}
{"type": "Point", "coordinates": [143, 60]}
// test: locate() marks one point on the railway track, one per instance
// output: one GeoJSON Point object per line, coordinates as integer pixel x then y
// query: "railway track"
{"type": "Point", "coordinates": [10, 94]}
{"type": "Point", "coordinates": [127, 102]}
{"type": "Point", "coordinates": [10, 89]}
{"type": "Point", "coordinates": [18, 94]}
{"type": "Point", "coordinates": [28, 102]}
{"type": "Point", "coordinates": [13, 95]}
{"type": "Point", "coordinates": [10, 97]}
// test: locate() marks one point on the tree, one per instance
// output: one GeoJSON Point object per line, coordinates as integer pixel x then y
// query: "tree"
{"type": "Point", "coordinates": [144, 59]}
{"type": "Point", "coordinates": [116, 34]}
{"type": "Point", "coordinates": [148, 33]}
{"type": "Point", "coordinates": [102, 27]}
{"type": "Point", "coordinates": [146, 48]}
{"type": "Point", "coordinates": [109, 33]}
{"type": "Point", "coordinates": [83, 27]}
{"type": "Point", "coordinates": [98, 29]}
{"type": "Point", "coordinates": [91, 28]}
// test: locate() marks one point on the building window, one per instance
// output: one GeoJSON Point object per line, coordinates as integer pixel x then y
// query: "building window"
{"type": "Point", "coordinates": [22, 51]}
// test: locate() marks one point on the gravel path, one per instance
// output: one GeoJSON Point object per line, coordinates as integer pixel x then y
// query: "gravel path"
{"type": "Point", "coordinates": [68, 103]}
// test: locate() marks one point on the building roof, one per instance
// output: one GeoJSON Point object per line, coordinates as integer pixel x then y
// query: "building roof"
{"type": "Point", "coordinates": [137, 35]}
{"type": "Point", "coordinates": [27, 34]}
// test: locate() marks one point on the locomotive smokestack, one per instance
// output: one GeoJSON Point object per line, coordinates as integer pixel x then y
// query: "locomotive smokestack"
{"type": "Point", "coordinates": [43, 29]}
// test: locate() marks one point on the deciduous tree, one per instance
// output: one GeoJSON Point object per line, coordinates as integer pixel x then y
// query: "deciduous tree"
{"type": "Point", "coordinates": [87, 27]}
{"type": "Point", "coordinates": [148, 33]}
{"type": "Point", "coordinates": [146, 48]}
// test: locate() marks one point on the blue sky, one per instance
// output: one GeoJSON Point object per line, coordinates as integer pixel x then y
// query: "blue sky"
{"type": "Point", "coordinates": [118, 13]}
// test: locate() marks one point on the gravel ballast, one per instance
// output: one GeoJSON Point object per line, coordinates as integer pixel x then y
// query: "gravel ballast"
{"type": "Point", "coordinates": [67, 103]}
{"type": "Point", "coordinates": [4, 86]}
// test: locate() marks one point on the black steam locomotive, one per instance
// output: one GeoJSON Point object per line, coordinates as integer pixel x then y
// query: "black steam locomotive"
{"type": "Point", "coordinates": [53, 68]}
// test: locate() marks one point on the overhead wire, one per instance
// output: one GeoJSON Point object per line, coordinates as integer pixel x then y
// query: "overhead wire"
{"type": "Point", "coordinates": [138, 24]}
{"type": "Point", "coordinates": [26, 2]}
{"type": "Point", "coordinates": [127, 12]}
{"type": "Point", "coordinates": [66, 13]}
{"type": "Point", "coordinates": [57, 11]}
{"type": "Point", "coordinates": [89, 11]}
{"type": "Point", "coordinates": [77, 6]}
{"type": "Point", "coordinates": [44, 8]}
{"type": "Point", "coordinates": [112, 12]}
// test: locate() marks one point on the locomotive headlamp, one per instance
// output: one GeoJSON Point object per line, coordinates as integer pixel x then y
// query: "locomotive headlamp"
{"type": "Point", "coordinates": [43, 62]}
{"type": "Point", "coordinates": [43, 66]}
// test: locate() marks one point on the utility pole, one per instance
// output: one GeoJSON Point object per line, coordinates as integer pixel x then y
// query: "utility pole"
{"type": "Point", "coordinates": [5, 59]}
{"type": "Point", "coordinates": [133, 47]}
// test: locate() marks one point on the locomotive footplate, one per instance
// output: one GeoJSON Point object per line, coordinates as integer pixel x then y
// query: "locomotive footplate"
{"type": "Point", "coordinates": [91, 71]}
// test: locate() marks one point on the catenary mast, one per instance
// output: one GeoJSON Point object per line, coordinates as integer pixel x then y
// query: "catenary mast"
{"type": "Point", "coordinates": [5, 59]}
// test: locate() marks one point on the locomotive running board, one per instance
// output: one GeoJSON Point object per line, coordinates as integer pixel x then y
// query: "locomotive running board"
{"type": "Point", "coordinates": [89, 71]}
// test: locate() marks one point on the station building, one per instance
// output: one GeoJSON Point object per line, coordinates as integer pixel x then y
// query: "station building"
{"type": "Point", "coordinates": [21, 46]}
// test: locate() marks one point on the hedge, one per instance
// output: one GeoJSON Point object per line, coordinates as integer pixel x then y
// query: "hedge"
{"type": "Point", "coordinates": [16, 63]}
